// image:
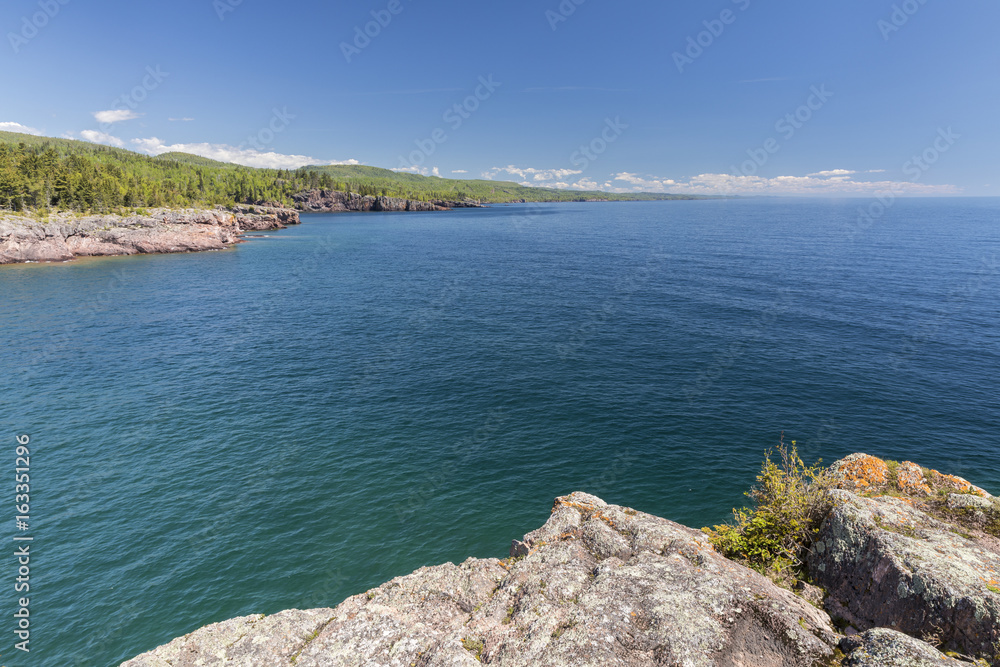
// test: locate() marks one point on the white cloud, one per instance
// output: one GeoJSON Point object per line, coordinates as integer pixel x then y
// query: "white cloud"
{"type": "Point", "coordinates": [586, 184]}
{"type": "Point", "coordinates": [726, 184]}
{"type": "Point", "coordinates": [115, 115]}
{"type": "Point", "coordinates": [422, 171]}
{"type": "Point", "coordinates": [827, 183]}
{"type": "Point", "coordinates": [10, 126]}
{"type": "Point", "coordinates": [247, 157]}
{"type": "Point", "coordinates": [538, 177]}
{"type": "Point", "coordinates": [180, 120]}
{"type": "Point", "coordinates": [459, 171]}
{"type": "Point", "coordinates": [96, 137]}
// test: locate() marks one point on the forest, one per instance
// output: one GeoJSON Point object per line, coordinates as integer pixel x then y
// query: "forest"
{"type": "Point", "coordinates": [42, 174]}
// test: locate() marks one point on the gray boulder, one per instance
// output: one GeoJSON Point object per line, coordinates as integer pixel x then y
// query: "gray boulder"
{"type": "Point", "coordinates": [882, 647]}
{"type": "Point", "coordinates": [886, 562]}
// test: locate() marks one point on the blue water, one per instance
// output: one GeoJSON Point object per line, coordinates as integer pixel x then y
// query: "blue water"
{"type": "Point", "coordinates": [324, 408]}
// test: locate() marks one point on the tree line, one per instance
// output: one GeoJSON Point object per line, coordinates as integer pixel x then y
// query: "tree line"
{"type": "Point", "coordinates": [41, 174]}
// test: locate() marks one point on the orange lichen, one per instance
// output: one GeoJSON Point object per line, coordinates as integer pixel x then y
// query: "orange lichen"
{"type": "Point", "coordinates": [862, 473]}
{"type": "Point", "coordinates": [564, 501]}
{"type": "Point", "coordinates": [940, 480]}
{"type": "Point", "coordinates": [910, 479]}
{"type": "Point", "coordinates": [605, 519]}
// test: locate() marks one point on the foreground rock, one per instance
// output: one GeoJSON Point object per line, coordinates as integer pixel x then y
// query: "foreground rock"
{"type": "Point", "coordinates": [596, 585]}
{"type": "Point", "coordinates": [888, 648]}
{"type": "Point", "coordinates": [160, 231]}
{"type": "Point", "coordinates": [333, 201]}
{"type": "Point", "coordinates": [926, 564]}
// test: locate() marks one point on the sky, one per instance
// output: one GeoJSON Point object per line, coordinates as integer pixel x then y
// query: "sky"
{"type": "Point", "coordinates": [851, 98]}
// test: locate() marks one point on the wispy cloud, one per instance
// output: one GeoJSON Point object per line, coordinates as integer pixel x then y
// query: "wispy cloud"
{"type": "Point", "coordinates": [10, 126]}
{"type": "Point", "coordinates": [830, 183]}
{"type": "Point", "coordinates": [767, 80]}
{"type": "Point", "coordinates": [247, 157]}
{"type": "Point", "coordinates": [833, 172]}
{"type": "Point", "coordinates": [115, 115]}
{"type": "Point", "coordinates": [416, 91]}
{"type": "Point", "coordinates": [574, 89]}
{"type": "Point", "coordinates": [459, 171]}
{"type": "Point", "coordinates": [180, 120]}
{"type": "Point", "coordinates": [826, 183]}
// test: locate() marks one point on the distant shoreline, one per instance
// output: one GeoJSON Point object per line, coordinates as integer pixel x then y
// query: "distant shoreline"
{"type": "Point", "coordinates": [63, 237]}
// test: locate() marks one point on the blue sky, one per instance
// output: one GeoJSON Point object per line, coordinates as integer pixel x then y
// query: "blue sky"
{"type": "Point", "coordinates": [726, 96]}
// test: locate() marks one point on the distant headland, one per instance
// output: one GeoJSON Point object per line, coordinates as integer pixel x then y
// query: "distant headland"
{"type": "Point", "coordinates": [61, 198]}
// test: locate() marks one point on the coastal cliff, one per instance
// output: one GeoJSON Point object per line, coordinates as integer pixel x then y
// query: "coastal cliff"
{"type": "Point", "coordinates": [905, 566]}
{"type": "Point", "coordinates": [62, 238]}
{"type": "Point", "coordinates": [333, 201]}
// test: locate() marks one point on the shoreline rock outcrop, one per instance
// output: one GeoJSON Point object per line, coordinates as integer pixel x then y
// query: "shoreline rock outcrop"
{"type": "Point", "coordinates": [334, 201]}
{"type": "Point", "coordinates": [61, 238]}
{"type": "Point", "coordinates": [915, 550]}
{"type": "Point", "coordinates": [600, 584]}
{"type": "Point", "coordinates": [596, 585]}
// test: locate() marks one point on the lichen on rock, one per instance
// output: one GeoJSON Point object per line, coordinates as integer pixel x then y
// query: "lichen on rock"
{"type": "Point", "coordinates": [914, 569]}
{"type": "Point", "coordinates": [882, 647]}
{"type": "Point", "coordinates": [887, 563]}
{"type": "Point", "coordinates": [596, 585]}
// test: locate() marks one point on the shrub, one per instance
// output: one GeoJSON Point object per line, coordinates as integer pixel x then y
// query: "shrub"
{"type": "Point", "coordinates": [790, 502]}
{"type": "Point", "coordinates": [474, 646]}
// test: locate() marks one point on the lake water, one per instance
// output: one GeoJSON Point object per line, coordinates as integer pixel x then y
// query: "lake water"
{"type": "Point", "coordinates": [329, 406]}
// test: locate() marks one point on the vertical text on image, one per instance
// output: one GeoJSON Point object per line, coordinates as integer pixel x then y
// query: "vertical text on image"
{"type": "Point", "coordinates": [22, 553]}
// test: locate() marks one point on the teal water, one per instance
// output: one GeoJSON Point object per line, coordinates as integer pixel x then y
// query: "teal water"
{"type": "Point", "coordinates": [326, 407]}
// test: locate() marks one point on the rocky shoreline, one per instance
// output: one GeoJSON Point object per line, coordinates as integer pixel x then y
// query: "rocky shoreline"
{"type": "Point", "coordinates": [334, 201]}
{"type": "Point", "coordinates": [904, 572]}
{"type": "Point", "coordinates": [63, 237]}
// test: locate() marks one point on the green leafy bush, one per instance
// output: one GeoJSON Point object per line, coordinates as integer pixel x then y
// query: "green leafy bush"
{"type": "Point", "coordinates": [790, 502]}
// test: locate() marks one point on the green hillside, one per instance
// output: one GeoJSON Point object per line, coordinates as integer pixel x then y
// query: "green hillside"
{"type": "Point", "coordinates": [413, 186]}
{"type": "Point", "coordinates": [43, 173]}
